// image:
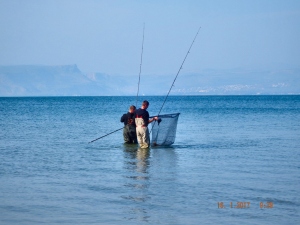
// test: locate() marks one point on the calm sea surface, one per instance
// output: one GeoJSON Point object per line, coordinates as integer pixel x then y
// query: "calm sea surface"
{"type": "Point", "coordinates": [236, 160]}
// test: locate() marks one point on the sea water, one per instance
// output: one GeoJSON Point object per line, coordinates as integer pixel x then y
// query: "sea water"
{"type": "Point", "coordinates": [235, 160]}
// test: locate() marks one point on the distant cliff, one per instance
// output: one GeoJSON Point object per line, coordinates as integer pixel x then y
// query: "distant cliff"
{"type": "Point", "coordinates": [68, 80]}
{"type": "Point", "coordinates": [65, 80]}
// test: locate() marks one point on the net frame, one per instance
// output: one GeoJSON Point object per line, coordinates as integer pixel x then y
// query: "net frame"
{"type": "Point", "coordinates": [164, 130]}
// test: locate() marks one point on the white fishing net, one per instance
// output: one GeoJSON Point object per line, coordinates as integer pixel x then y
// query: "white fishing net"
{"type": "Point", "coordinates": [164, 130]}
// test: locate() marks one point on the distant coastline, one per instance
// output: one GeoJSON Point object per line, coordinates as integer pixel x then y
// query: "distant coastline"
{"type": "Point", "coordinates": [69, 80]}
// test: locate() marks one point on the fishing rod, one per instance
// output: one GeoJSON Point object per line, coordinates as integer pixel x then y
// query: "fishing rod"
{"type": "Point", "coordinates": [106, 135]}
{"type": "Point", "coordinates": [137, 91]}
{"type": "Point", "coordinates": [176, 76]}
{"type": "Point", "coordinates": [169, 89]}
{"type": "Point", "coordinates": [137, 95]}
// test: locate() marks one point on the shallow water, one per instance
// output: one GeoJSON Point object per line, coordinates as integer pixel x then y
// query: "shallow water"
{"type": "Point", "coordinates": [228, 149]}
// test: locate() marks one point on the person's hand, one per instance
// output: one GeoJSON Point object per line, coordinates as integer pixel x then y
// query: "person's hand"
{"type": "Point", "coordinates": [155, 118]}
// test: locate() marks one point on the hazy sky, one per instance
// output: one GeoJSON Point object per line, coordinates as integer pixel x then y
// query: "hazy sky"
{"type": "Point", "coordinates": [106, 36]}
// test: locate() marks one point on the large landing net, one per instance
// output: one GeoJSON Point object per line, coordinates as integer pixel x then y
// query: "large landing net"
{"type": "Point", "coordinates": [164, 130]}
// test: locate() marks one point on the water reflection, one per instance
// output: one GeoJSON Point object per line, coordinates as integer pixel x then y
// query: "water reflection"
{"type": "Point", "coordinates": [150, 174]}
{"type": "Point", "coordinates": [142, 160]}
{"type": "Point", "coordinates": [136, 159]}
{"type": "Point", "coordinates": [136, 164]}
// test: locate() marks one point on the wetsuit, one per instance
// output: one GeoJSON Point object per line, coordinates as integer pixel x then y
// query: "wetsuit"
{"type": "Point", "coordinates": [129, 130]}
{"type": "Point", "coordinates": [142, 132]}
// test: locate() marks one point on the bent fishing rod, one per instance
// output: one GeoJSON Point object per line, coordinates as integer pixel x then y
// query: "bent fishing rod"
{"type": "Point", "coordinates": [176, 76]}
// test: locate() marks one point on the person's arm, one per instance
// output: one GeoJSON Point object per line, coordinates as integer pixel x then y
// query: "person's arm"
{"type": "Point", "coordinates": [154, 118]}
{"type": "Point", "coordinates": [123, 118]}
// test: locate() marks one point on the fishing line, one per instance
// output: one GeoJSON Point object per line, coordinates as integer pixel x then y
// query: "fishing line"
{"type": "Point", "coordinates": [137, 91]}
{"type": "Point", "coordinates": [176, 77]}
{"type": "Point", "coordinates": [137, 95]}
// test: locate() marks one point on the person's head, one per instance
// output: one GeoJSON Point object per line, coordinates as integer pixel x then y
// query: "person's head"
{"type": "Point", "coordinates": [145, 104]}
{"type": "Point", "coordinates": [132, 109]}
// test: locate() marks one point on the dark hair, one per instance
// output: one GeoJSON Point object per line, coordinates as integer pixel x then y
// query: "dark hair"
{"type": "Point", "coordinates": [145, 103]}
{"type": "Point", "coordinates": [132, 107]}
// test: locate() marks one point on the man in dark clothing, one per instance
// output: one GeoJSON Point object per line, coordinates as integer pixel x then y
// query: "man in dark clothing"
{"type": "Point", "coordinates": [142, 121]}
{"type": "Point", "coordinates": [129, 130]}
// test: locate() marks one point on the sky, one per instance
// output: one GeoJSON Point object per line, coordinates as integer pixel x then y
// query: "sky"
{"type": "Point", "coordinates": [106, 36]}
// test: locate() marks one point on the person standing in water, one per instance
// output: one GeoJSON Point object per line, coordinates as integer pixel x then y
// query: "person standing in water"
{"type": "Point", "coordinates": [142, 120]}
{"type": "Point", "coordinates": [129, 130]}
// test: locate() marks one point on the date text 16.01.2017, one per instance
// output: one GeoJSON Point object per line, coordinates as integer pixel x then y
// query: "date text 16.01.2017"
{"type": "Point", "coordinates": [244, 205]}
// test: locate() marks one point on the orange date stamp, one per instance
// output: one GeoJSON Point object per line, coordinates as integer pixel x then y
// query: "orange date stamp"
{"type": "Point", "coordinates": [244, 205]}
